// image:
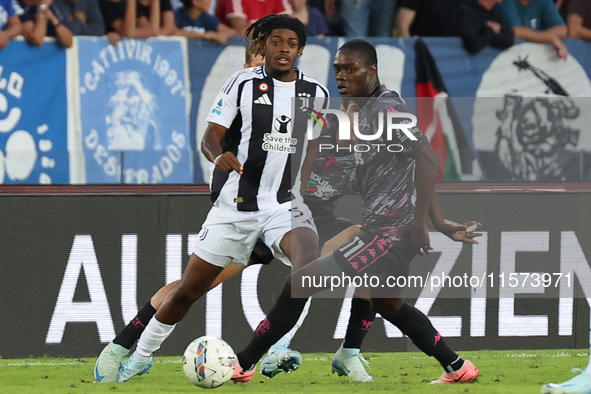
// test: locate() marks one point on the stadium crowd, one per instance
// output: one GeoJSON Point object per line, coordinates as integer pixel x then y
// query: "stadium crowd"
{"type": "Point", "coordinates": [478, 22]}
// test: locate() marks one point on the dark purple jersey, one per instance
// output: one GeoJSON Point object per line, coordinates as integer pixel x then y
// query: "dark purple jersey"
{"type": "Point", "coordinates": [334, 173]}
{"type": "Point", "coordinates": [386, 178]}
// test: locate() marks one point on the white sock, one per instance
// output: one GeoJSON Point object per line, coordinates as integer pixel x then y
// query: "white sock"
{"type": "Point", "coordinates": [151, 339]}
{"type": "Point", "coordinates": [286, 339]}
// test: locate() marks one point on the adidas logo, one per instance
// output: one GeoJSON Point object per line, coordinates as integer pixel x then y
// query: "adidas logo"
{"type": "Point", "coordinates": [264, 100]}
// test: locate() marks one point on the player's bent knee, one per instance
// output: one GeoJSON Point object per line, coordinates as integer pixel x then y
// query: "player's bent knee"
{"type": "Point", "coordinates": [387, 306]}
{"type": "Point", "coordinates": [186, 296]}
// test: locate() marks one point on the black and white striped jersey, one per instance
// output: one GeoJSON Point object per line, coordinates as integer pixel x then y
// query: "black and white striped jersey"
{"type": "Point", "coordinates": [267, 133]}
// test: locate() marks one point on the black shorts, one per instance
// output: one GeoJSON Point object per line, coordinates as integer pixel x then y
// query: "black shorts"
{"type": "Point", "coordinates": [373, 255]}
{"type": "Point", "coordinates": [328, 227]}
{"type": "Point", "coordinates": [261, 254]}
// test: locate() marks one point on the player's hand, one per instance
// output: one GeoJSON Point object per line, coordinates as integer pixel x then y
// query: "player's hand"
{"type": "Point", "coordinates": [228, 163]}
{"type": "Point", "coordinates": [419, 237]}
{"type": "Point", "coordinates": [458, 232]}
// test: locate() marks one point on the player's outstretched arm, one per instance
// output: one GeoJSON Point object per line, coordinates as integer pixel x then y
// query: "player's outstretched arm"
{"type": "Point", "coordinates": [212, 149]}
{"type": "Point", "coordinates": [425, 173]}
{"type": "Point", "coordinates": [308, 164]}
{"type": "Point", "coordinates": [461, 232]}
{"type": "Point", "coordinates": [456, 231]}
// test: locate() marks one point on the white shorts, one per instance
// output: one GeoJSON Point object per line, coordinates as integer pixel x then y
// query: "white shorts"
{"type": "Point", "coordinates": [228, 235]}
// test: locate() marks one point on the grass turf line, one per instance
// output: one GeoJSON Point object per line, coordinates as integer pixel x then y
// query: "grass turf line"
{"type": "Point", "coordinates": [507, 372]}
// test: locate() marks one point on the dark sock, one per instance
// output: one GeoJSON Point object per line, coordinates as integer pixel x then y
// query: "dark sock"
{"type": "Point", "coordinates": [132, 331]}
{"type": "Point", "coordinates": [361, 319]}
{"type": "Point", "coordinates": [279, 321]}
{"type": "Point", "coordinates": [414, 324]}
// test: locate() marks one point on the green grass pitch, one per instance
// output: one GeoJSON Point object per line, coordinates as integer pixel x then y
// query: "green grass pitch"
{"type": "Point", "coordinates": [507, 372]}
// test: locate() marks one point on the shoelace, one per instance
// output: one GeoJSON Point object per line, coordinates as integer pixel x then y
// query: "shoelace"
{"type": "Point", "coordinates": [364, 361]}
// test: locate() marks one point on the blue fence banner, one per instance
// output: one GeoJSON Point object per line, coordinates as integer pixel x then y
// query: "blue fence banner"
{"type": "Point", "coordinates": [33, 140]}
{"type": "Point", "coordinates": [133, 109]}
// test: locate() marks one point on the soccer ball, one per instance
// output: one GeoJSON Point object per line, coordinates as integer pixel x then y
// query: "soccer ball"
{"type": "Point", "coordinates": [209, 362]}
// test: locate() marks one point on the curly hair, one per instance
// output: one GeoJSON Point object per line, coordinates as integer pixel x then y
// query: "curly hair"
{"type": "Point", "coordinates": [260, 30]}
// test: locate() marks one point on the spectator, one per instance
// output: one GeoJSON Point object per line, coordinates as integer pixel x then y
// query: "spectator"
{"type": "Point", "coordinates": [368, 17]}
{"type": "Point", "coordinates": [137, 18]}
{"type": "Point", "coordinates": [81, 17]}
{"type": "Point", "coordinates": [428, 18]}
{"type": "Point", "coordinates": [537, 21]}
{"type": "Point", "coordinates": [239, 14]}
{"type": "Point", "coordinates": [481, 23]}
{"type": "Point", "coordinates": [193, 21]}
{"type": "Point", "coordinates": [311, 18]}
{"type": "Point", "coordinates": [10, 24]}
{"type": "Point", "coordinates": [579, 19]}
{"type": "Point", "coordinates": [38, 20]}
{"type": "Point", "coordinates": [331, 16]}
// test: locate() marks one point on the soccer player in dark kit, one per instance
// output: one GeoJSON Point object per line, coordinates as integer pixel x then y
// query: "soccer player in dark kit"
{"type": "Point", "coordinates": [398, 192]}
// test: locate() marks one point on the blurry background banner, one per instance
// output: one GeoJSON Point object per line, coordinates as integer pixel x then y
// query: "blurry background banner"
{"type": "Point", "coordinates": [133, 110]}
{"type": "Point", "coordinates": [33, 115]}
{"type": "Point", "coordinates": [135, 113]}
{"type": "Point", "coordinates": [467, 115]}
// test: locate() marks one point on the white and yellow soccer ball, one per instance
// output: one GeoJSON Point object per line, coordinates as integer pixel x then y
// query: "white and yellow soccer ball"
{"type": "Point", "coordinates": [209, 362]}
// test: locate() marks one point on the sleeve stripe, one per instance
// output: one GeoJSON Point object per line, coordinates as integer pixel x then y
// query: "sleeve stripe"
{"type": "Point", "coordinates": [228, 86]}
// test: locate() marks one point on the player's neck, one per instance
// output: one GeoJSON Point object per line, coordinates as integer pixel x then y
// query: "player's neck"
{"type": "Point", "coordinates": [283, 76]}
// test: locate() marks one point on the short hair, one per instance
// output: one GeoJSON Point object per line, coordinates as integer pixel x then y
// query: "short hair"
{"type": "Point", "coordinates": [260, 30]}
{"type": "Point", "coordinates": [187, 4]}
{"type": "Point", "coordinates": [362, 48]}
{"type": "Point", "coordinates": [251, 51]}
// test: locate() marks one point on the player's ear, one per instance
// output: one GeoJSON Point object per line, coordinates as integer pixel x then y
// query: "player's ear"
{"type": "Point", "coordinates": [300, 52]}
{"type": "Point", "coordinates": [373, 70]}
{"type": "Point", "coordinates": [262, 47]}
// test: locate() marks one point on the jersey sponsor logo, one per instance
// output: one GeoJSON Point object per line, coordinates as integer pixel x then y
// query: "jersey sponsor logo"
{"type": "Point", "coordinates": [264, 100]}
{"type": "Point", "coordinates": [282, 124]}
{"type": "Point", "coordinates": [319, 187]}
{"type": "Point", "coordinates": [273, 143]}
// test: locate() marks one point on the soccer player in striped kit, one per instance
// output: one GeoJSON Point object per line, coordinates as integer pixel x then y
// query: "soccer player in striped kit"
{"type": "Point", "coordinates": [254, 139]}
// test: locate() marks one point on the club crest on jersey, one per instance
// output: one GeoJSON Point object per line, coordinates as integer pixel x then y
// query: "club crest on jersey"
{"type": "Point", "coordinates": [263, 86]}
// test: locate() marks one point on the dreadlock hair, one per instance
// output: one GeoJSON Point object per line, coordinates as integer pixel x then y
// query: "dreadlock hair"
{"type": "Point", "coordinates": [259, 31]}
{"type": "Point", "coordinates": [363, 48]}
